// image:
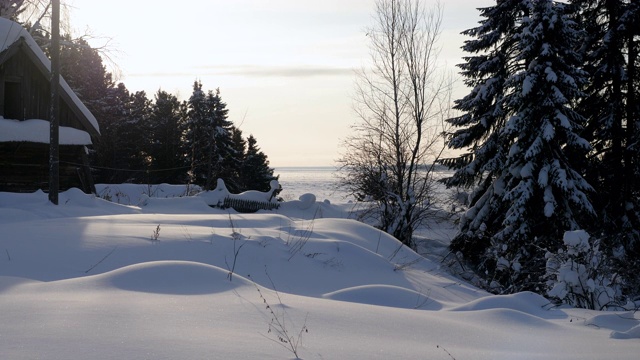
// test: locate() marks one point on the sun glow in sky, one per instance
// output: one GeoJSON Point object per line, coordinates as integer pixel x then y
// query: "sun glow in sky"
{"type": "Point", "coordinates": [285, 68]}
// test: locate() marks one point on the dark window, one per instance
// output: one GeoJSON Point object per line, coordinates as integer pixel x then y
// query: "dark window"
{"type": "Point", "coordinates": [12, 101]}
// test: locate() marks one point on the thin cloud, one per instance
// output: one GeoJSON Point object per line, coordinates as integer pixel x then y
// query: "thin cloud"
{"type": "Point", "coordinates": [257, 71]}
{"type": "Point", "coordinates": [162, 74]}
{"type": "Point", "coordinates": [295, 72]}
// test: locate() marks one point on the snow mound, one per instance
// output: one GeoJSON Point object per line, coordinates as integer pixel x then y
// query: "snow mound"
{"type": "Point", "coordinates": [366, 237]}
{"type": "Point", "coordinates": [628, 329]}
{"type": "Point", "coordinates": [522, 309]}
{"type": "Point", "coordinates": [525, 302]}
{"type": "Point", "coordinates": [385, 295]}
{"type": "Point", "coordinates": [173, 277]}
{"type": "Point", "coordinates": [8, 282]}
{"type": "Point", "coordinates": [76, 197]}
{"type": "Point", "coordinates": [19, 207]}
{"type": "Point", "coordinates": [633, 333]}
{"type": "Point", "coordinates": [181, 205]}
{"type": "Point", "coordinates": [134, 194]}
{"type": "Point", "coordinates": [304, 202]}
{"type": "Point", "coordinates": [511, 317]}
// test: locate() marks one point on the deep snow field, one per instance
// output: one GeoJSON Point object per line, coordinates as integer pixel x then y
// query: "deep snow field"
{"type": "Point", "coordinates": [92, 279]}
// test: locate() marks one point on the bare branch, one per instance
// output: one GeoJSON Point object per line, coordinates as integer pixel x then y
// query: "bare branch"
{"type": "Point", "coordinates": [401, 102]}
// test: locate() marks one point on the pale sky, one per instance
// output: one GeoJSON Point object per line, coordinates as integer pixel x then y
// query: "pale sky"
{"type": "Point", "coordinates": [285, 68]}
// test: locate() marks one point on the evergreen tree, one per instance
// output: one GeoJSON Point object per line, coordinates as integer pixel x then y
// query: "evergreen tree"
{"type": "Point", "coordinates": [121, 153]}
{"type": "Point", "coordinates": [484, 111]}
{"type": "Point", "coordinates": [611, 107]}
{"type": "Point", "coordinates": [546, 196]}
{"type": "Point", "coordinates": [209, 140]}
{"type": "Point", "coordinates": [224, 159]}
{"type": "Point", "coordinates": [106, 155]}
{"type": "Point", "coordinates": [167, 117]}
{"type": "Point", "coordinates": [239, 153]}
{"type": "Point", "coordinates": [83, 69]}
{"type": "Point", "coordinates": [525, 204]}
{"type": "Point", "coordinates": [139, 138]}
{"type": "Point", "coordinates": [255, 171]}
{"type": "Point", "coordinates": [633, 103]}
{"type": "Point", "coordinates": [484, 114]}
{"type": "Point", "coordinates": [195, 133]}
{"type": "Point", "coordinates": [135, 136]}
{"type": "Point", "coordinates": [239, 143]}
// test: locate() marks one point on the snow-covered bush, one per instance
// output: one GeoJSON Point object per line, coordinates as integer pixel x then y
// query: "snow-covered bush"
{"type": "Point", "coordinates": [578, 274]}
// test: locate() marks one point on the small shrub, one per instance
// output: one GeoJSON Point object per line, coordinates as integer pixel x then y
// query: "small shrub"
{"type": "Point", "coordinates": [236, 237]}
{"type": "Point", "coordinates": [156, 234]}
{"type": "Point", "coordinates": [297, 243]}
{"type": "Point", "coordinates": [578, 274]}
{"type": "Point", "coordinates": [279, 325]}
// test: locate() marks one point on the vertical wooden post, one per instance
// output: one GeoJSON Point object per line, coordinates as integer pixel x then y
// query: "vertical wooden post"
{"type": "Point", "coordinates": [54, 138]}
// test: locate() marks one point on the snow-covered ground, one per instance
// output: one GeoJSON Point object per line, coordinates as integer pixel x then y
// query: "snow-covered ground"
{"type": "Point", "coordinates": [91, 279]}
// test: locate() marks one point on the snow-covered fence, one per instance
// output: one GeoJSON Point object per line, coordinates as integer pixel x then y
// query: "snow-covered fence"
{"type": "Point", "coordinates": [246, 202]}
{"type": "Point", "coordinates": [248, 206]}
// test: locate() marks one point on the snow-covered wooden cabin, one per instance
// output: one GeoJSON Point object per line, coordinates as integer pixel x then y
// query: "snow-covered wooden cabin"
{"type": "Point", "coordinates": [25, 99]}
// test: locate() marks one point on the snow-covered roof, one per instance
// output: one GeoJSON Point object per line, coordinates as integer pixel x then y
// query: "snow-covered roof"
{"type": "Point", "coordinates": [37, 131]}
{"type": "Point", "coordinates": [10, 32]}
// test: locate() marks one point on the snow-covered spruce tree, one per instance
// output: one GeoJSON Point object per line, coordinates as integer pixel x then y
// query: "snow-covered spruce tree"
{"type": "Point", "coordinates": [195, 133]}
{"type": "Point", "coordinates": [493, 58]}
{"type": "Point", "coordinates": [167, 118]}
{"type": "Point", "coordinates": [122, 151]}
{"type": "Point", "coordinates": [82, 67]}
{"type": "Point", "coordinates": [136, 136]}
{"type": "Point", "coordinates": [611, 106]}
{"type": "Point", "coordinates": [239, 143]}
{"type": "Point", "coordinates": [537, 191]}
{"type": "Point", "coordinates": [226, 159]}
{"type": "Point", "coordinates": [399, 102]}
{"type": "Point", "coordinates": [208, 140]}
{"type": "Point", "coordinates": [239, 151]}
{"type": "Point", "coordinates": [84, 71]}
{"type": "Point", "coordinates": [630, 224]}
{"type": "Point", "coordinates": [106, 155]}
{"type": "Point", "coordinates": [255, 171]}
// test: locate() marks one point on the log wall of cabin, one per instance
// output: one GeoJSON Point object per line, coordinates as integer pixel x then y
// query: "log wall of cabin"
{"type": "Point", "coordinates": [20, 74]}
{"type": "Point", "coordinates": [24, 167]}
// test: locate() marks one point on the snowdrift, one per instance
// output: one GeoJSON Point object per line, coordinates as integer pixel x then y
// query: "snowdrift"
{"type": "Point", "coordinates": [170, 277]}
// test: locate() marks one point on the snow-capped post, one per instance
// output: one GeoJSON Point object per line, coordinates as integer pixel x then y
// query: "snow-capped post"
{"type": "Point", "coordinates": [54, 159]}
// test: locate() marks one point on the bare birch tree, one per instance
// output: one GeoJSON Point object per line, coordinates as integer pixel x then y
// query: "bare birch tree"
{"type": "Point", "coordinates": [10, 9]}
{"type": "Point", "coordinates": [36, 14]}
{"type": "Point", "coordinates": [401, 102]}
